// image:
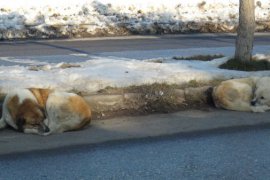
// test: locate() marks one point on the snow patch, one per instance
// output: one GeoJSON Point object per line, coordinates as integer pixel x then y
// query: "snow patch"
{"type": "Point", "coordinates": [98, 73]}
{"type": "Point", "coordinates": [84, 18]}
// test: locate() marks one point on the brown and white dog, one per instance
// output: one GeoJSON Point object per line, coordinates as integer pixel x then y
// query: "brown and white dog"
{"type": "Point", "coordinates": [44, 111]}
{"type": "Point", "coordinates": [244, 94]}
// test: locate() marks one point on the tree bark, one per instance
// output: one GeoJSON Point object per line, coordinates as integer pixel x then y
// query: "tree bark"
{"type": "Point", "coordinates": [245, 31]}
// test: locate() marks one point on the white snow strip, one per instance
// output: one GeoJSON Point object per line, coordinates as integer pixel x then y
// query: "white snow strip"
{"type": "Point", "coordinates": [99, 73]}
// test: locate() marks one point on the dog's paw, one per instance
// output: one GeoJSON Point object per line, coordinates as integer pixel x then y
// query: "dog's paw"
{"type": "Point", "coordinates": [3, 124]}
{"type": "Point", "coordinates": [45, 133]}
{"type": "Point", "coordinates": [260, 108]}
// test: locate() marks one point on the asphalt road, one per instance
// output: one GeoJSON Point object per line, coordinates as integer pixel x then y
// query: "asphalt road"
{"type": "Point", "coordinates": [233, 154]}
{"type": "Point", "coordinates": [135, 43]}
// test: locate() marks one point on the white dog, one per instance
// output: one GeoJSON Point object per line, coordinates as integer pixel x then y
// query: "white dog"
{"type": "Point", "coordinates": [262, 92]}
{"type": "Point", "coordinates": [238, 94]}
{"type": "Point", "coordinates": [44, 111]}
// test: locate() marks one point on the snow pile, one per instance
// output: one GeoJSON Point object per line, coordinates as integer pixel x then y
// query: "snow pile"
{"type": "Point", "coordinates": [82, 18]}
{"type": "Point", "coordinates": [98, 73]}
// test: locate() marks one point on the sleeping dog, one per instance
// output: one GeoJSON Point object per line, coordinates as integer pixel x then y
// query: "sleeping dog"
{"type": "Point", "coordinates": [44, 111]}
{"type": "Point", "coordinates": [244, 94]}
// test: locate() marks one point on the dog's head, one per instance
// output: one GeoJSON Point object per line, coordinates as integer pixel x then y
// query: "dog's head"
{"type": "Point", "coordinates": [30, 118]}
{"type": "Point", "coordinates": [262, 92]}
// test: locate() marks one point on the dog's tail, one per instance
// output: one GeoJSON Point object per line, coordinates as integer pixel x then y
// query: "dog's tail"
{"type": "Point", "coordinates": [3, 124]}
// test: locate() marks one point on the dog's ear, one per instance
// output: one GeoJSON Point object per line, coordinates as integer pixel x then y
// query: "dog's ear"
{"type": "Point", "coordinates": [20, 123]}
{"type": "Point", "coordinates": [42, 110]}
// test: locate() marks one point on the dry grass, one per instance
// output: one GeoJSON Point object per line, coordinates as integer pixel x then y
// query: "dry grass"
{"type": "Point", "coordinates": [162, 97]}
{"type": "Point", "coordinates": [233, 64]}
{"type": "Point", "coordinates": [156, 88]}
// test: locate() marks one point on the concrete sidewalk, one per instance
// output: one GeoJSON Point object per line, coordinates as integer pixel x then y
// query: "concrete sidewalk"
{"type": "Point", "coordinates": [124, 128]}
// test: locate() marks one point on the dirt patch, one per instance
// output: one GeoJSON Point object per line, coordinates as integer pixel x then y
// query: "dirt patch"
{"type": "Point", "coordinates": [48, 67]}
{"type": "Point", "coordinates": [157, 87]}
{"type": "Point", "coordinates": [199, 57]}
{"type": "Point", "coordinates": [152, 98]}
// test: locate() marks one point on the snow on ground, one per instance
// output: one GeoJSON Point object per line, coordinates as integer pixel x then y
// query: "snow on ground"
{"type": "Point", "coordinates": [80, 18]}
{"type": "Point", "coordinates": [100, 72]}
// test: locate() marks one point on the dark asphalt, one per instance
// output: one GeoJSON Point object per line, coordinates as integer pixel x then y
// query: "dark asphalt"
{"type": "Point", "coordinates": [94, 46]}
{"type": "Point", "coordinates": [233, 154]}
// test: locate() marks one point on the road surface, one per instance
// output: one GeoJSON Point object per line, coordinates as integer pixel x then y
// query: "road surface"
{"type": "Point", "coordinates": [237, 154]}
{"type": "Point", "coordinates": [131, 47]}
{"type": "Point", "coordinates": [133, 43]}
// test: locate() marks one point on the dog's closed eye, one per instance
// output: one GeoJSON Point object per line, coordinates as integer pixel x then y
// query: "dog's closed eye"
{"type": "Point", "coordinates": [35, 124]}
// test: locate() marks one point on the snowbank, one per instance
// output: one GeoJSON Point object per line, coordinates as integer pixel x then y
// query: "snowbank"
{"type": "Point", "coordinates": [98, 73]}
{"type": "Point", "coordinates": [84, 18]}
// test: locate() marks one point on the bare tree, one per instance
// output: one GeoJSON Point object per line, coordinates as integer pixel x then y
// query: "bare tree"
{"type": "Point", "coordinates": [245, 32]}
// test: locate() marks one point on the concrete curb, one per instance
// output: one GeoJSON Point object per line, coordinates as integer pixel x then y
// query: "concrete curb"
{"type": "Point", "coordinates": [106, 106]}
{"type": "Point", "coordinates": [125, 128]}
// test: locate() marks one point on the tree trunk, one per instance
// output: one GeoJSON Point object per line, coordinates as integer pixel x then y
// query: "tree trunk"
{"type": "Point", "coordinates": [245, 32]}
